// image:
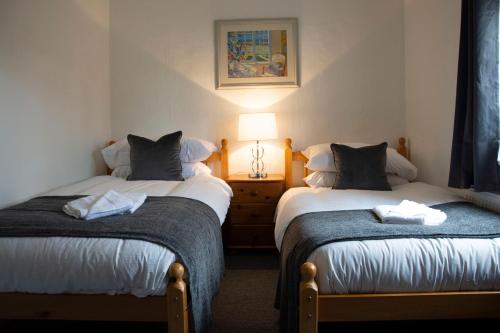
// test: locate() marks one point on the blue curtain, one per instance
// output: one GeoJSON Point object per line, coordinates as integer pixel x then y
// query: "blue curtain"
{"type": "Point", "coordinates": [474, 160]}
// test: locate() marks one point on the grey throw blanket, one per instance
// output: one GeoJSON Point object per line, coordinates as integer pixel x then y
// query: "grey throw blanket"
{"type": "Point", "coordinates": [187, 227]}
{"type": "Point", "coordinates": [309, 231]}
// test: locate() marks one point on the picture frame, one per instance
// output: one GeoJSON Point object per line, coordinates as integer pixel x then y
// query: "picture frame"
{"type": "Point", "coordinates": [258, 53]}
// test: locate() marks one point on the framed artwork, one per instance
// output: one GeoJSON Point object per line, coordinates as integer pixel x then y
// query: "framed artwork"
{"type": "Point", "coordinates": [256, 53]}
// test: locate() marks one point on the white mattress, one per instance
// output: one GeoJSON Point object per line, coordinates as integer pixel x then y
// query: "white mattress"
{"type": "Point", "coordinates": [99, 265]}
{"type": "Point", "coordinates": [393, 265]}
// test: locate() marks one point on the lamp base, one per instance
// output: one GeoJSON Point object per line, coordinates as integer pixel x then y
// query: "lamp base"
{"type": "Point", "coordinates": [258, 175]}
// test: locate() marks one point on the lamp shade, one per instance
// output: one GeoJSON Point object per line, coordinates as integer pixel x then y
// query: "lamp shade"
{"type": "Point", "coordinates": [257, 126]}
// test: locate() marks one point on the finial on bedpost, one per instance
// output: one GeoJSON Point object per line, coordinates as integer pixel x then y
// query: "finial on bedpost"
{"type": "Point", "coordinates": [176, 272]}
{"type": "Point", "coordinates": [308, 299]}
{"type": "Point", "coordinates": [288, 163]}
{"type": "Point", "coordinates": [402, 149]}
{"type": "Point", "coordinates": [224, 164]}
{"type": "Point", "coordinates": [308, 272]}
{"type": "Point", "coordinates": [177, 300]}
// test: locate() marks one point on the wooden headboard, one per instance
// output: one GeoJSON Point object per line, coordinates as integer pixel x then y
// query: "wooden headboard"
{"type": "Point", "coordinates": [291, 156]}
{"type": "Point", "coordinates": [218, 156]}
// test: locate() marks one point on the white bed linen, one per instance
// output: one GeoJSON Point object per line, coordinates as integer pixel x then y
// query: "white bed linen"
{"type": "Point", "coordinates": [98, 265]}
{"type": "Point", "coordinates": [393, 265]}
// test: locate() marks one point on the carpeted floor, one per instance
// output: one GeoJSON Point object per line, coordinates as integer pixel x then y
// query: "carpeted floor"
{"type": "Point", "coordinates": [244, 305]}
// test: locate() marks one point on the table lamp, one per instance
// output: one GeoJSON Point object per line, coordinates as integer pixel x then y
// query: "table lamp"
{"type": "Point", "coordinates": [257, 127]}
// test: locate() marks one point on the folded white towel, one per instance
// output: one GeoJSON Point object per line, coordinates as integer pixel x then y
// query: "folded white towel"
{"type": "Point", "coordinates": [109, 203]}
{"type": "Point", "coordinates": [409, 212]}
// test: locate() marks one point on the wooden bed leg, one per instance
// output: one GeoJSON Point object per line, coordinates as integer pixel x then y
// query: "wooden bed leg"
{"type": "Point", "coordinates": [177, 300]}
{"type": "Point", "coordinates": [308, 299]}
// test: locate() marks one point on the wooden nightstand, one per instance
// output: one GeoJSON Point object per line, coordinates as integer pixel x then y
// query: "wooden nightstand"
{"type": "Point", "coordinates": [250, 221]}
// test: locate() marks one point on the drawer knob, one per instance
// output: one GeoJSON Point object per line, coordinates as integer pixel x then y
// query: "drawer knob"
{"type": "Point", "coordinates": [254, 193]}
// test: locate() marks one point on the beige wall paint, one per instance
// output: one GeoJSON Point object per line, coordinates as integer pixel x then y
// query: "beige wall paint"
{"type": "Point", "coordinates": [351, 68]}
{"type": "Point", "coordinates": [432, 31]}
{"type": "Point", "coordinates": [54, 93]}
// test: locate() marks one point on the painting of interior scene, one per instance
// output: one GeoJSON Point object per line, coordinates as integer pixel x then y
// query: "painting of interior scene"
{"type": "Point", "coordinates": [257, 53]}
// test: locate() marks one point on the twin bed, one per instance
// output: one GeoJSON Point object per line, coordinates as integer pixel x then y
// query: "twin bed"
{"type": "Point", "coordinates": [119, 279]}
{"type": "Point", "coordinates": [385, 275]}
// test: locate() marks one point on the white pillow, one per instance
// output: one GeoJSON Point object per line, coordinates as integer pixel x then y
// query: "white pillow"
{"type": "Point", "coordinates": [192, 150]}
{"type": "Point", "coordinates": [117, 154]}
{"type": "Point", "coordinates": [395, 180]}
{"type": "Point", "coordinates": [193, 169]}
{"type": "Point", "coordinates": [122, 171]}
{"type": "Point", "coordinates": [321, 159]}
{"type": "Point", "coordinates": [188, 170]}
{"type": "Point", "coordinates": [399, 165]}
{"type": "Point", "coordinates": [327, 179]}
{"type": "Point", "coordinates": [195, 150]}
{"type": "Point", "coordinates": [320, 179]}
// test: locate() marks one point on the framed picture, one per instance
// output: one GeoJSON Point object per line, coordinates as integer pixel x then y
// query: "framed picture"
{"type": "Point", "coordinates": [256, 53]}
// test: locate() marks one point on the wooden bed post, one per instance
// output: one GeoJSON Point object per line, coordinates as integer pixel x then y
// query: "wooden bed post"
{"type": "Point", "coordinates": [402, 148]}
{"type": "Point", "coordinates": [223, 160]}
{"type": "Point", "coordinates": [291, 156]}
{"type": "Point", "coordinates": [308, 299]}
{"type": "Point", "coordinates": [288, 163]}
{"type": "Point", "coordinates": [177, 300]}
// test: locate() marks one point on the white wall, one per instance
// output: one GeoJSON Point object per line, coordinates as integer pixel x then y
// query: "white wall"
{"type": "Point", "coordinates": [362, 64]}
{"type": "Point", "coordinates": [54, 93]}
{"type": "Point", "coordinates": [351, 66]}
{"type": "Point", "coordinates": [432, 32]}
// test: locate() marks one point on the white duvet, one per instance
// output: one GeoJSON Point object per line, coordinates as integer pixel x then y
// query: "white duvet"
{"type": "Point", "coordinates": [393, 265]}
{"type": "Point", "coordinates": [98, 265]}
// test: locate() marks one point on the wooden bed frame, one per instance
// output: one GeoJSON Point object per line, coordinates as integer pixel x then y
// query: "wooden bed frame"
{"type": "Point", "coordinates": [171, 308]}
{"type": "Point", "coordinates": [315, 307]}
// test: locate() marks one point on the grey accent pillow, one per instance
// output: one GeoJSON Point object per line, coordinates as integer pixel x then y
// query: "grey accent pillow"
{"type": "Point", "coordinates": [361, 168]}
{"type": "Point", "coordinates": [160, 160]}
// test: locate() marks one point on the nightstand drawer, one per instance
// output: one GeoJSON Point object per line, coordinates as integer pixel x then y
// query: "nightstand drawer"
{"type": "Point", "coordinates": [257, 192]}
{"type": "Point", "coordinates": [250, 213]}
{"type": "Point", "coordinates": [250, 221]}
{"type": "Point", "coordinates": [251, 236]}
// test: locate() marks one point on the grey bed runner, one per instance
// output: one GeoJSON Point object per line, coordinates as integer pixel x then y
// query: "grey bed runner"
{"type": "Point", "coordinates": [187, 227]}
{"type": "Point", "coordinates": [309, 231]}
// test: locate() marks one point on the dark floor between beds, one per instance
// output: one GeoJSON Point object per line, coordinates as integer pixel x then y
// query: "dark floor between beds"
{"type": "Point", "coordinates": [244, 305]}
